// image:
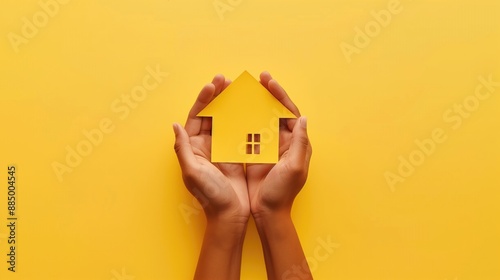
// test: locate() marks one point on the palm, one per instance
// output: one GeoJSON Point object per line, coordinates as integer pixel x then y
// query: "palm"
{"type": "Point", "coordinates": [217, 186]}
{"type": "Point", "coordinates": [272, 186]}
{"type": "Point", "coordinates": [230, 177]}
{"type": "Point", "coordinates": [266, 181]}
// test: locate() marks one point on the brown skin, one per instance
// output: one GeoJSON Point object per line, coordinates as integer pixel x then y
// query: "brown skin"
{"type": "Point", "coordinates": [229, 196]}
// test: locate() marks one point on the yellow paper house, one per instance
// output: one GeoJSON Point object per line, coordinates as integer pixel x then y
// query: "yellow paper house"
{"type": "Point", "coordinates": [245, 122]}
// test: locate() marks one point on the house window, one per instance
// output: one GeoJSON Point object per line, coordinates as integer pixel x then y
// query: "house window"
{"type": "Point", "coordinates": [253, 144]}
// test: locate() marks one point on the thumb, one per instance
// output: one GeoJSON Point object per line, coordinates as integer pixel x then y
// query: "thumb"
{"type": "Point", "coordinates": [299, 145]}
{"type": "Point", "coordinates": [183, 148]}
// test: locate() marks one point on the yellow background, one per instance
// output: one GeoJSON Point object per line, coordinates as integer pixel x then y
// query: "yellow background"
{"type": "Point", "coordinates": [118, 212]}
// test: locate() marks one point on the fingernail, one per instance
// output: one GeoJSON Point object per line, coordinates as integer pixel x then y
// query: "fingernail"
{"type": "Point", "coordinates": [303, 122]}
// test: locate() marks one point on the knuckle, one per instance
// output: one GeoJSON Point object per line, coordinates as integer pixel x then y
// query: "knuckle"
{"type": "Point", "coordinates": [177, 147]}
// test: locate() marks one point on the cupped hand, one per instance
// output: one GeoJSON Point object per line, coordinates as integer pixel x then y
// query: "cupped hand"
{"type": "Point", "coordinates": [220, 188]}
{"type": "Point", "coordinates": [273, 188]}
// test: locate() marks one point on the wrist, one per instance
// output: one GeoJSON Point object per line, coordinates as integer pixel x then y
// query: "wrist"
{"type": "Point", "coordinates": [227, 223]}
{"type": "Point", "coordinates": [225, 234]}
{"type": "Point", "coordinates": [272, 219]}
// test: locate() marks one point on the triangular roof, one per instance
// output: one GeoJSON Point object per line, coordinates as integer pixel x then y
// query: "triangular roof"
{"type": "Point", "coordinates": [245, 96]}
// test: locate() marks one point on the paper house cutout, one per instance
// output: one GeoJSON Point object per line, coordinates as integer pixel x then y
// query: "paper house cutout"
{"type": "Point", "coordinates": [245, 122]}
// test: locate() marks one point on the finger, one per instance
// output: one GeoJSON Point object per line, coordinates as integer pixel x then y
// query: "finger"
{"type": "Point", "coordinates": [279, 93]}
{"type": "Point", "coordinates": [290, 123]}
{"type": "Point", "coordinates": [218, 81]}
{"type": "Point", "coordinates": [265, 77]}
{"type": "Point", "coordinates": [300, 147]}
{"type": "Point", "coordinates": [193, 123]}
{"type": "Point", "coordinates": [220, 84]}
{"type": "Point", "coordinates": [183, 148]}
{"type": "Point", "coordinates": [206, 126]}
{"type": "Point", "coordinates": [226, 84]}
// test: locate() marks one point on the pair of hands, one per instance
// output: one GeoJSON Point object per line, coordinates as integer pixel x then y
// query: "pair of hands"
{"type": "Point", "coordinates": [230, 192]}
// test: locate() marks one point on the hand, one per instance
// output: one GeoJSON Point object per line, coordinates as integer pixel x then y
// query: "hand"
{"type": "Point", "coordinates": [220, 188]}
{"type": "Point", "coordinates": [272, 188]}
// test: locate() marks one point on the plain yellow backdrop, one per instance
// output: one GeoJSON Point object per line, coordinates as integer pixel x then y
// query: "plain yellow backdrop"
{"type": "Point", "coordinates": [123, 210]}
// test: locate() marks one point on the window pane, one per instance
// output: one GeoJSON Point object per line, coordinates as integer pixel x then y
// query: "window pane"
{"type": "Point", "coordinates": [249, 138]}
{"type": "Point", "coordinates": [256, 138]}
{"type": "Point", "coordinates": [256, 149]}
{"type": "Point", "coordinates": [249, 149]}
